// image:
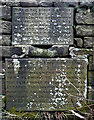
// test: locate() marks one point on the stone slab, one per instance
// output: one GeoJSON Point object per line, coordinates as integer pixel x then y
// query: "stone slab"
{"type": "Point", "coordinates": [91, 93]}
{"type": "Point", "coordinates": [85, 30]}
{"type": "Point", "coordinates": [44, 84]}
{"type": "Point", "coordinates": [88, 42]}
{"type": "Point", "coordinates": [10, 3]}
{"type": "Point", "coordinates": [85, 17]}
{"type": "Point", "coordinates": [91, 78]}
{"type": "Point", "coordinates": [5, 27]}
{"type": "Point", "coordinates": [5, 40]}
{"type": "Point", "coordinates": [42, 25]}
{"type": "Point", "coordinates": [5, 12]}
{"type": "Point", "coordinates": [6, 51]}
{"type": "Point", "coordinates": [91, 66]}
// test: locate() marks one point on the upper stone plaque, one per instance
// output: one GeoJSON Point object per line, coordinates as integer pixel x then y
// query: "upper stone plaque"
{"type": "Point", "coordinates": [42, 26]}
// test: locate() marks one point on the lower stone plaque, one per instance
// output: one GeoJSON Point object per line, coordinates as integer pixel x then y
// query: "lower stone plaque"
{"type": "Point", "coordinates": [45, 84]}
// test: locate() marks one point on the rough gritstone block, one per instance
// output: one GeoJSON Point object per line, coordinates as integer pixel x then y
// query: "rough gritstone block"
{"type": "Point", "coordinates": [66, 3]}
{"type": "Point", "coordinates": [91, 93]}
{"type": "Point", "coordinates": [85, 17]}
{"type": "Point", "coordinates": [5, 27]}
{"type": "Point", "coordinates": [91, 78]}
{"type": "Point", "coordinates": [10, 2]}
{"type": "Point", "coordinates": [31, 3]}
{"type": "Point", "coordinates": [88, 42]}
{"type": "Point", "coordinates": [45, 84]}
{"type": "Point", "coordinates": [5, 40]}
{"type": "Point", "coordinates": [42, 25]}
{"type": "Point", "coordinates": [5, 12]}
{"type": "Point", "coordinates": [6, 51]}
{"type": "Point", "coordinates": [91, 66]}
{"type": "Point", "coordinates": [85, 30]}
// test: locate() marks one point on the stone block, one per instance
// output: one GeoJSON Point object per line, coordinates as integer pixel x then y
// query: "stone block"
{"type": "Point", "coordinates": [79, 42]}
{"type": "Point", "coordinates": [5, 27]}
{"type": "Point", "coordinates": [5, 40]}
{"type": "Point", "coordinates": [88, 42]}
{"type": "Point", "coordinates": [42, 26]}
{"type": "Point", "coordinates": [30, 3]}
{"type": "Point", "coordinates": [91, 93]}
{"type": "Point", "coordinates": [66, 4]}
{"type": "Point", "coordinates": [91, 66]}
{"type": "Point", "coordinates": [10, 2]}
{"type": "Point", "coordinates": [85, 17]}
{"type": "Point", "coordinates": [86, 3]}
{"type": "Point", "coordinates": [6, 51]}
{"type": "Point", "coordinates": [91, 78]}
{"type": "Point", "coordinates": [5, 12]}
{"type": "Point", "coordinates": [44, 83]}
{"type": "Point", "coordinates": [85, 30]}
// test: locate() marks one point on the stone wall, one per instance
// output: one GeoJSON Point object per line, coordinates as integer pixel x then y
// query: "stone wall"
{"type": "Point", "coordinates": [83, 37]}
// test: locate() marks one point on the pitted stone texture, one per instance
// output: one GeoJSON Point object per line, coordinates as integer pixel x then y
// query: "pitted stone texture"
{"type": "Point", "coordinates": [91, 93]}
{"type": "Point", "coordinates": [6, 51]}
{"type": "Point", "coordinates": [10, 2]}
{"type": "Point", "coordinates": [91, 78]}
{"type": "Point", "coordinates": [5, 27]}
{"type": "Point", "coordinates": [43, 84]}
{"type": "Point", "coordinates": [5, 40]}
{"type": "Point", "coordinates": [79, 42]}
{"type": "Point", "coordinates": [85, 30]}
{"type": "Point", "coordinates": [88, 42]}
{"type": "Point", "coordinates": [5, 12]}
{"type": "Point", "coordinates": [91, 66]}
{"type": "Point", "coordinates": [32, 3]}
{"type": "Point", "coordinates": [42, 26]}
{"type": "Point", "coordinates": [72, 3]}
{"type": "Point", "coordinates": [85, 17]}
{"type": "Point", "coordinates": [86, 3]}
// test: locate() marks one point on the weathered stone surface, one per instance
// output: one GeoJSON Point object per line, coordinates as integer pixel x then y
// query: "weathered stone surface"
{"type": "Point", "coordinates": [42, 26]}
{"type": "Point", "coordinates": [5, 12]}
{"type": "Point", "coordinates": [88, 42]}
{"type": "Point", "coordinates": [5, 27]}
{"type": "Point", "coordinates": [6, 51]}
{"type": "Point", "coordinates": [64, 4]}
{"type": "Point", "coordinates": [5, 40]}
{"type": "Point", "coordinates": [91, 66]}
{"type": "Point", "coordinates": [79, 42]}
{"type": "Point", "coordinates": [91, 78]}
{"type": "Point", "coordinates": [86, 3]}
{"type": "Point", "coordinates": [10, 2]}
{"type": "Point", "coordinates": [31, 3]}
{"type": "Point", "coordinates": [43, 84]}
{"type": "Point", "coordinates": [80, 52]}
{"type": "Point", "coordinates": [85, 30]}
{"type": "Point", "coordinates": [91, 93]}
{"type": "Point", "coordinates": [54, 51]}
{"type": "Point", "coordinates": [85, 17]}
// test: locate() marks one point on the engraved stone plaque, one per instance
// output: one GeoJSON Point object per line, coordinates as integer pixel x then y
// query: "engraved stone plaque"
{"type": "Point", "coordinates": [45, 83]}
{"type": "Point", "coordinates": [42, 25]}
